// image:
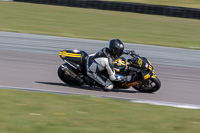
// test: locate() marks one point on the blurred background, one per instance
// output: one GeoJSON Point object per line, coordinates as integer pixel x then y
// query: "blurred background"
{"type": "Point", "coordinates": [141, 23]}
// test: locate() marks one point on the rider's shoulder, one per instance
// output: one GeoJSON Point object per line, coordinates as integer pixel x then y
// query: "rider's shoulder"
{"type": "Point", "coordinates": [106, 51]}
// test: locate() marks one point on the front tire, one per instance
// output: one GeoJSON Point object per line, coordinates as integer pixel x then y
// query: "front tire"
{"type": "Point", "coordinates": [66, 78]}
{"type": "Point", "coordinates": [149, 86]}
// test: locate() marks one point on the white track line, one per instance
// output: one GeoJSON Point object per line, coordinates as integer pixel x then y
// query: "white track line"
{"type": "Point", "coordinates": [162, 103]}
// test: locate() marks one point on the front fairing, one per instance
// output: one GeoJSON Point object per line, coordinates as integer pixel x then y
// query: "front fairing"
{"type": "Point", "coordinates": [150, 72]}
{"type": "Point", "coordinates": [145, 67]}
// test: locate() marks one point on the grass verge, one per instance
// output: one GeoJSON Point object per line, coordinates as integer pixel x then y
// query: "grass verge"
{"type": "Point", "coordinates": [99, 24]}
{"type": "Point", "coordinates": [31, 112]}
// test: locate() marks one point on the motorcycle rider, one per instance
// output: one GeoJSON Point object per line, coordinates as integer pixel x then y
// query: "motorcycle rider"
{"type": "Point", "coordinates": [104, 59]}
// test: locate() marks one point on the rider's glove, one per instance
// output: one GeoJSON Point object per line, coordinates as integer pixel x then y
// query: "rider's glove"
{"type": "Point", "coordinates": [126, 52]}
{"type": "Point", "coordinates": [118, 77]}
{"type": "Point", "coordinates": [132, 52]}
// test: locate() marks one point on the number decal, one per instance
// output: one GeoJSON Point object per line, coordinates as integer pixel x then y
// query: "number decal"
{"type": "Point", "coordinates": [150, 67]}
{"type": "Point", "coordinates": [153, 71]}
{"type": "Point", "coordinates": [153, 76]}
{"type": "Point", "coordinates": [139, 62]}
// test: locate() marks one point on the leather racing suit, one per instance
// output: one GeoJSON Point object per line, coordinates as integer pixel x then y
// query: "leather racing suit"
{"type": "Point", "coordinates": [100, 61]}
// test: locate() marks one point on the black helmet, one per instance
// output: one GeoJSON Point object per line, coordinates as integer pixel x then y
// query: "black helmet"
{"type": "Point", "coordinates": [116, 47]}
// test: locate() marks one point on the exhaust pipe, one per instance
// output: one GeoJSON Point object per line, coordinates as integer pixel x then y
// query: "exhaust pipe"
{"type": "Point", "coordinates": [71, 73]}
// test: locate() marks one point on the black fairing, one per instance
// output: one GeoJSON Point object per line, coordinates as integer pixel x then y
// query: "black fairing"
{"type": "Point", "coordinates": [74, 58]}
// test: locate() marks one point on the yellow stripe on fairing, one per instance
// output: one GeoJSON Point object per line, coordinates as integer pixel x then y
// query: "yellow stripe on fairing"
{"type": "Point", "coordinates": [72, 56]}
{"type": "Point", "coordinates": [64, 54]}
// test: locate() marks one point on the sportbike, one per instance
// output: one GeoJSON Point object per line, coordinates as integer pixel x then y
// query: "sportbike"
{"type": "Point", "coordinates": [140, 69]}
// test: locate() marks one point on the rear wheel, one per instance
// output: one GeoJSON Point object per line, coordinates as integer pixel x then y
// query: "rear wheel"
{"type": "Point", "coordinates": [149, 86]}
{"type": "Point", "coordinates": [65, 77]}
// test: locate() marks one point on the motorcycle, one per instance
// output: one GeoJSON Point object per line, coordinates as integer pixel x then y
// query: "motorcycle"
{"type": "Point", "coordinates": [140, 69]}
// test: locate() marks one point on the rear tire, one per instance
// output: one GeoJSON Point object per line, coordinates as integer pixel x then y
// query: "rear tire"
{"type": "Point", "coordinates": [149, 86]}
{"type": "Point", "coordinates": [66, 78]}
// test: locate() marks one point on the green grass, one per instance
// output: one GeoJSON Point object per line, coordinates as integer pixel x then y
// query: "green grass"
{"type": "Point", "coordinates": [181, 3]}
{"type": "Point", "coordinates": [37, 112]}
{"type": "Point", "coordinates": [99, 24]}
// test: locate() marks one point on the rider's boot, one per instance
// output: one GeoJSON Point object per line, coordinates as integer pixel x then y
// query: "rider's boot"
{"type": "Point", "coordinates": [108, 86]}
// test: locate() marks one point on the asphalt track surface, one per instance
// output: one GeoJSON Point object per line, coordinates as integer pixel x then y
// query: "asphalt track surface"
{"type": "Point", "coordinates": [31, 61]}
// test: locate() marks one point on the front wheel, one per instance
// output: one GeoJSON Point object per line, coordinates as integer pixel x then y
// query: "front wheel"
{"type": "Point", "coordinates": [149, 86]}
